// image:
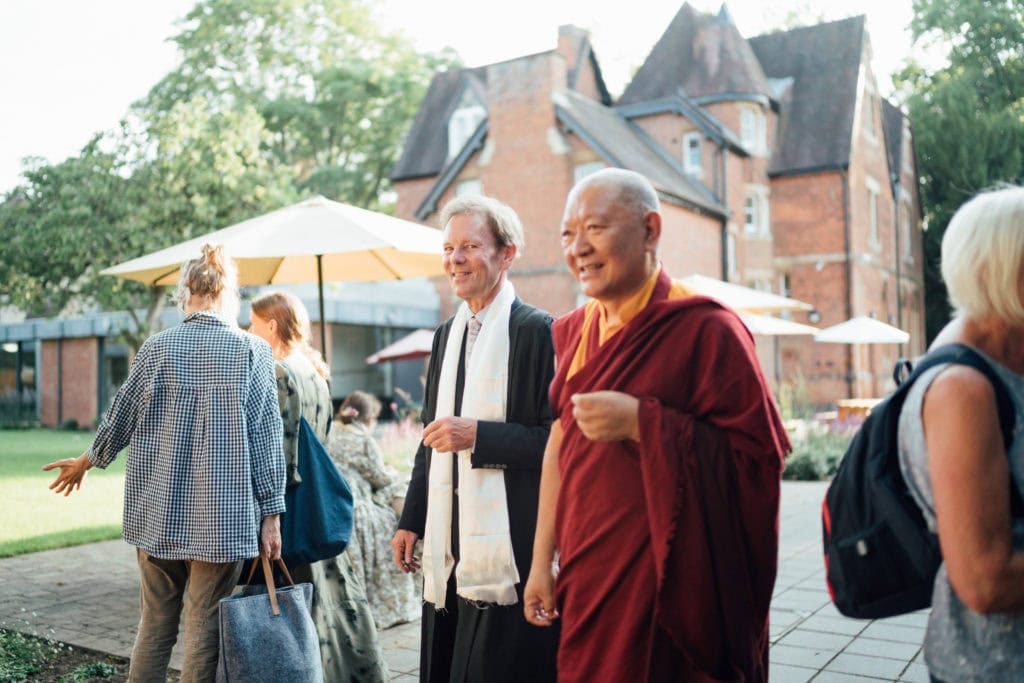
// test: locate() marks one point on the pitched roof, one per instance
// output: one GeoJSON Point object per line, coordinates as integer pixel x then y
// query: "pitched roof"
{"type": "Point", "coordinates": [624, 145]}
{"type": "Point", "coordinates": [426, 146]}
{"type": "Point", "coordinates": [702, 55]}
{"type": "Point", "coordinates": [824, 62]}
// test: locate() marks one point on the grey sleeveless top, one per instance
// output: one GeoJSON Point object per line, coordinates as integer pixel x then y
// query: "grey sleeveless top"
{"type": "Point", "coordinates": [960, 644]}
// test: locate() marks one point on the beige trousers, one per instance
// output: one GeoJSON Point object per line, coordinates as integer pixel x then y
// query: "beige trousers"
{"type": "Point", "coordinates": [168, 587]}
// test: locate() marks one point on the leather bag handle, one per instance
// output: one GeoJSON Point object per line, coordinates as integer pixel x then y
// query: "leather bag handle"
{"type": "Point", "coordinates": [268, 577]}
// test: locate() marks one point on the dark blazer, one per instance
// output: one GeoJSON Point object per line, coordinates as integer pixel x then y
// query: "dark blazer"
{"type": "Point", "coordinates": [516, 446]}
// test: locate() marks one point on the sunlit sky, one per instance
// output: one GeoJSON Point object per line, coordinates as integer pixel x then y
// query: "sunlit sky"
{"type": "Point", "coordinates": [69, 69]}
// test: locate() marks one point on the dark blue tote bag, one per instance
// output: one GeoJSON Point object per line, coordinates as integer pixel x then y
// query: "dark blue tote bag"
{"type": "Point", "coordinates": [317, 523]}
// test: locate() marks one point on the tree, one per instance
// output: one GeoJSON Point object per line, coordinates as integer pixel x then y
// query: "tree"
{"type": "Point", "coordinates": [968, 117]}
{"type": "Point", "coordinates": [336, 93]}
{"type": "Point", "coordinates": [185, 172]}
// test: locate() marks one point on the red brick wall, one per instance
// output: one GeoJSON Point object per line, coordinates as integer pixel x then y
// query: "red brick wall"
{"type": "Point", "coordinates": [76, 361]}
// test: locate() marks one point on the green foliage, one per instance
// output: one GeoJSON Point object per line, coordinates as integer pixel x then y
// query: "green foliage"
{"type": "Point", "coordinates": [43, 520]}
{"type": "Point", "coordinates": [91, 670]}
{"type": "Point", "coordinates": [335, 92]}
{"type": "Point", "coordinates": [20, 656]}
{"type": "Point", "coordinates": [794, 399]}
{"type": "Point", "coordinates": [968, 116]}
{"type": "Point", "coordinates": [271, 101]}
{"type": "Point", "coordinates": [16, 412]}
{"type": "Point", "coordinates": [816, 455]}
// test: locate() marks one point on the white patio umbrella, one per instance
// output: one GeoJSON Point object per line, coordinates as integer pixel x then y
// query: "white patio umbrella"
{"type": "Point", "coordinates": [741, 298]}
{"type": "Point", "coordinates": [862, 330]}
{"type": "Point", "coordinates": [416, 344]}
{"type": "Point", "coordinates": [317, 240]}
{"type": "Point", "coordinates": [770, 326]}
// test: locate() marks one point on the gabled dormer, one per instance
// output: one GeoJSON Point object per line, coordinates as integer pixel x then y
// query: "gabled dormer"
{"type": "Point", "coordinates": [469, 111]}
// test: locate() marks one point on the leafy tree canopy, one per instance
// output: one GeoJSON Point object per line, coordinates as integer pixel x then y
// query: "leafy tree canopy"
{"type": "Point", "coordinates": [968, 116]}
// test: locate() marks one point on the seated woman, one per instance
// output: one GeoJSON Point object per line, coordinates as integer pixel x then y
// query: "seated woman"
{"type": "Point", "coordinates": [392, 594]}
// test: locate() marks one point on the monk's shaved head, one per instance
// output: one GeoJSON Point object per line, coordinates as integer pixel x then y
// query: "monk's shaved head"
{"type": "Point", "coordinates": [633, 191]}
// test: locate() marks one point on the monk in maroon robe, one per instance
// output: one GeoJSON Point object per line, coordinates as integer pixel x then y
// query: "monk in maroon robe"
{"type": "Point", "coordinates": [660, 487]}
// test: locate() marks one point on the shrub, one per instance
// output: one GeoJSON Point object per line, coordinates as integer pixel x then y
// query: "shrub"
{"type": "Point", "coordinates": [816, 456]}
{"type": "Point", "coordinates": [17, 413]}
{"type": "Point", "coordinates": [69, 425]}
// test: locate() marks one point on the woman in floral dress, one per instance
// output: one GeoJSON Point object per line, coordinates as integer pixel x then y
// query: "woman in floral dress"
{"type": "Point", "coordinates": [392, 594]}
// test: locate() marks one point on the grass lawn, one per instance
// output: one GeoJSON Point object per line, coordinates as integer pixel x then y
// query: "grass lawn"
{"type": "Point", "coordinates": [37, 519]}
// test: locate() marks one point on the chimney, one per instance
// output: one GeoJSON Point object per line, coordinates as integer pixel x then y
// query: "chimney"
{"type": "Point", "coordinates": [571, 40]}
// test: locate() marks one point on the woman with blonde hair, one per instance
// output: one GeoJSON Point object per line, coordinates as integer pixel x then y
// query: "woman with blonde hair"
{"type": "Point", "coordinates": [953, 456]}
{"type": "Point", "coordinates": [349, 648]}
{"type": "Point", "coordinates": [391, 592]}
{"type": "Point", "coordinates": [205, 478]}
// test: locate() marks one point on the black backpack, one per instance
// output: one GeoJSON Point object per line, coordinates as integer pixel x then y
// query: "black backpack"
{"type": "Point", "coordinates": [880, 557]}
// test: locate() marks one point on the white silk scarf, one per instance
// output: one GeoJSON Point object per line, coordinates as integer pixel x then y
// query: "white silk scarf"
{"type": "Point", "coordinates": [486, 570]}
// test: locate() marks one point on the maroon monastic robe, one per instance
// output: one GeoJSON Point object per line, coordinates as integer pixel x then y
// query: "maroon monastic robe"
{"type": "Point", "coordinates": [668, 547]}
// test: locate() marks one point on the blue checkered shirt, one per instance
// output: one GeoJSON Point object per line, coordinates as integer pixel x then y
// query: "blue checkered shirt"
{"type": "Point", "coordinates": [200, 417]}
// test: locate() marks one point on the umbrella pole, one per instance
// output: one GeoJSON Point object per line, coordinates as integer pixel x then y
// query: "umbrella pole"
{"type": "Point", "coordinates": [320, 291]}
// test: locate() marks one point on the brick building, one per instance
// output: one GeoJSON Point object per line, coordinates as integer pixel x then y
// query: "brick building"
{"type": "Point", "coordinates": [778, 164]}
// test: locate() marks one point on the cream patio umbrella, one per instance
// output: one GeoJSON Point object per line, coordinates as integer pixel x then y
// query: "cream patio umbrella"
{"type": "Point", "coordinates": [741, 298]}
{"type": "Point", "coordinates": [317, 240]}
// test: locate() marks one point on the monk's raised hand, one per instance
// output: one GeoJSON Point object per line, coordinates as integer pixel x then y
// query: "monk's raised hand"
{"type": "Point", "coordinates": [72, 472]}
{"type": "Point", "coordinates": [450, 434]}
{"type": "Point", "coordinates": [607, 415]}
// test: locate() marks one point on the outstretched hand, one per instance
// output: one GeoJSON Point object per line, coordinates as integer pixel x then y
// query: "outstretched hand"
{"type": "Point", "coordinates": [72, 472]}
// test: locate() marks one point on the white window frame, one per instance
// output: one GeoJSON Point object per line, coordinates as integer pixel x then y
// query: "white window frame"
{"type": "Point", "coordinates": [753, 130]}
{"type": "Point", "coordinates": [874, 237]}
{"type": "Point", "coordinates": [692, 142]}
{"type": "Point", "coordinates": [730, 256]}
{"type": "Point", "coordinates": [756, 212]}
{"type": "Point", "coordinates": [463, 122]}
{"type": "Point", "coordinates": [906, 233]}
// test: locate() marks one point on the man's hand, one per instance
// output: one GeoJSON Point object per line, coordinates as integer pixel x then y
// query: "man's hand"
{"type": "Point", "coordinates": [72, 472]}
{"type": "Point", "coordinates": [607, 415]}
{"type": "Point", "coordinates": [270, 537]}
{"type": "Point", "coordinates": [450, 434]}
{"type": "Point", "coordinates": [402, 545]}
{"type": "Point", "coordinates": [538, 597]}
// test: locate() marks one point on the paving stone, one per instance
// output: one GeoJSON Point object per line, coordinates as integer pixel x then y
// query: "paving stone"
{"type": "Point", "coordinates": [826, 624]}
{"type": "Point", "coordinates": [904, 652]}
{"type": "Point", "coordinates": [816, 640]}
{"type": "Point", "coordinates": [886, 631]}
{"type": "Point", "coordinates": [800, 656]}
{"type": "Point", "coordinates": [783, 673]}
{"type": "Point", "coordinates": [916, 673]}
{"type": "Point", "coordinates": [861, 665]}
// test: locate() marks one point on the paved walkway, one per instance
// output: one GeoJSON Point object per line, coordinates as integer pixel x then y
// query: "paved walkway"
{"type": "Point", "coordinates": [88, 596]}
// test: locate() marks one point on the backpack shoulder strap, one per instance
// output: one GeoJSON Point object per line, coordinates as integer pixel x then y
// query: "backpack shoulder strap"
{"type": "Point", "coordinates": [965, 355]}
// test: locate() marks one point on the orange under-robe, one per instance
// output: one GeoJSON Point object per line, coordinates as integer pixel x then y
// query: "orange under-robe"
{"type": "Point", "coordinates": [668, 547]}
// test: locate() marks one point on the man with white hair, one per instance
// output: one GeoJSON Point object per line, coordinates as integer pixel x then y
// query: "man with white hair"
{"type": "Point", "coordinates": [476, 477]}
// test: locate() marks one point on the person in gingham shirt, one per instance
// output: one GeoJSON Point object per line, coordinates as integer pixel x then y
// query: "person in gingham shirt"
{"type": "Point", "coordinates": [205, 480]}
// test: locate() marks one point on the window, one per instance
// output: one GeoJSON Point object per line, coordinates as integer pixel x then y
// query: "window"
{"type": "Point", "coordinates": [755, 212]}
{"type": "Point", "coordinates": [461, 125]}
{"type": "Point", "coordinates": [752, 130]}
{"type": "Point", "coordinates": [691, 153]}
{"type": "Point", "coordinates": [873, 236]}
{"type": "Point", "coordinates": [869, 113]}
{"type": "Point", "coordinates": [906, 231]}
{"type": "Point", "coordinates": [467, 187]}
{"type": "Point", "coordinates": [581, 171]}
{"type": "Point", "coordinates": [730, 256]}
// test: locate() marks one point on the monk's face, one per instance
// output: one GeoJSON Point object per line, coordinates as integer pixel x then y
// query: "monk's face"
{"type": "Point", "coordinates": [473, 261]}
{"type": "Point", "coordinates": [608, 246]}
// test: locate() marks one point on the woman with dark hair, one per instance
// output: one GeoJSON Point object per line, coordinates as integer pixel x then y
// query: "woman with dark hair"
{"type": "Point", "coordinates": [198, 414]}
{"type": "Point", "coordinates": [349, 647]}
{"type": "Point", "coordinates": [391, 592]}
